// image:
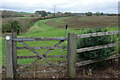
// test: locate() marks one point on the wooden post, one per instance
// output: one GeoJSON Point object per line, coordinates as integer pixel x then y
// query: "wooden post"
{"type": "Point", "coordinates": [8, 53]}
{"type": "Point", "coordinates": [14, 35]}
{"type": "Point", "coordinates": [72, 49]}
{"type": "Point", "coordinates": [118, 63]}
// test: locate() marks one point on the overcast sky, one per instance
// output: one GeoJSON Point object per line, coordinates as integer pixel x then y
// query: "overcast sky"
{"type": "Point", "coordinates": [106, 6]}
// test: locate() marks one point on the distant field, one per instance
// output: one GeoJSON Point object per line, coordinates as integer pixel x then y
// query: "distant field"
{"type": "Point", "coordinates": [27, 13]}
{"type": "Point", "coordinates": [79, 22]}
{"type": "Point", "coordinates": [26, 17]}
{"type": "Point", "coordinates": [15, 18]}
{"type": "Point", "coordinates": [55, 28]}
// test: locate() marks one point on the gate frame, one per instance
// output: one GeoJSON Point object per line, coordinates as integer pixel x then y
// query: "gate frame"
{"type": "Point", "coordinates": [11, 52]}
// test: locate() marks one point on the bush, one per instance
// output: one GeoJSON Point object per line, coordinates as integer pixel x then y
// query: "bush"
{"type": "Point", "coordinates": [20, 25]}
{"type": "Point", "coordinates": [16, 26]}
{"type": "Point", "coordinates": [32, 15]}
{"type": "Point", "coordinates": [101, 13]}
{"type": "Point", "coordinates": [6, 27]}
{"type": "Point", "coordinates": [11, 26]}
{"type": "Point", "coordinates": [97, 13]}
{"type": "Point", "coordinates": [89, 14]}
{"type": "Point", "coordinates": [95, 41]}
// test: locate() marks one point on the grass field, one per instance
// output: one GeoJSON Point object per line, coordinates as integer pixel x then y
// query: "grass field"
{"type": "Point", "coordinates": [78, 22]}
{"type": "Point", "coordinates": [53, 28]}
{"type": "Point", "coordinates": [27, 13]}
{"type": "Point", "coordinates": [23, 17]}
{"type": "Point", "coordinates": [4, 20]}
{"type": "Point", "coordinates": [26, 17]}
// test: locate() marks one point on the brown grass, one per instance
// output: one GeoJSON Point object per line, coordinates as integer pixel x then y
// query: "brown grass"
{"type": "Point", "coordinates": [87, 22]}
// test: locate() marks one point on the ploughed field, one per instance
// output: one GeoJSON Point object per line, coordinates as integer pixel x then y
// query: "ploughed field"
{"type": "Point", "coordinates": [79, 22]}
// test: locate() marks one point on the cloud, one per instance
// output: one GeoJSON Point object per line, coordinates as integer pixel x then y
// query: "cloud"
{"type": "Point", "coordinates": [109, 6]}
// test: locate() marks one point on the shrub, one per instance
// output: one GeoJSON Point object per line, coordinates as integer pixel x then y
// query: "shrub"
{"type": "Point", "coordinates": [16, 26]}
{"type": "Point", "coordinates": [6, 27]}
{"type": "Point", "coordinates": [101, 13]}
{"type": "Point", "coordinates": [97, 13]}
{"type": "Point", "coordinates": [20, 25]}
{"type": "Point", "coordinates": [11, 26]}
{"type": "Point", "coordinates": [95, 41]}
{"type": "Point", "coordinates": [89, 14]}
{"type": "Point", "coordinates": [95, 54]}
{"type": "Point", "coordinates": [32, 15]}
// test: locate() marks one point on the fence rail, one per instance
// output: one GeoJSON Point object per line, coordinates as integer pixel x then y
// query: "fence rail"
{"type": "Point", "coordinates": [97, 47]}
{"type": "Point", "coordinates": [72, 50]}
{"type": "Point", "coordinates": [98, 34]}
{"type": "Point", "coordinates": [82, 63]}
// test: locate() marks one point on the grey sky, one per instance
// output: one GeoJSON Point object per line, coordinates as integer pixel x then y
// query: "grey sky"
{"type": "Point", "coordinates": [107, 6]}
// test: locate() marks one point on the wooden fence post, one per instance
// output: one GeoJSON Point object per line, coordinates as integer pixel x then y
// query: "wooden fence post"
{"type": "Point", "coordinates": [8, 53]}
{"type": "Point", "coordinates": [118, 63]}
{"type": "Point", "coordinates": [14, 35]}
{"type": "Point", "coordinates": [72, 49]}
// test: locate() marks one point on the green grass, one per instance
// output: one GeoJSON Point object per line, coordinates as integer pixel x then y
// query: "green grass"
{"type": "Point", "coordinates": [40, 29]}
{"type": "Point", "coordinates": [27, 13]}
{"type": "Point", "coordinates": [57, 22]}
{"type": "Point", "coordinates": [26, 17]}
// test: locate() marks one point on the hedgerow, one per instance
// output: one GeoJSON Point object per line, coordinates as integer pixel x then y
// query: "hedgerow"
{"type": "Point", "coordinates": [95, 41]}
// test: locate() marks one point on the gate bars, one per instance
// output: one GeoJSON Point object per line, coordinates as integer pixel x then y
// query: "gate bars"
{"type": "Point", "coordinates": [11, 51]}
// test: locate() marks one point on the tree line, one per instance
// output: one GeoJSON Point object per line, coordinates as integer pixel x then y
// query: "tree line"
{"type": "Point", "coordinates": [99, 14]}
{"type": "Point", "coordinates": [58, 14]}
